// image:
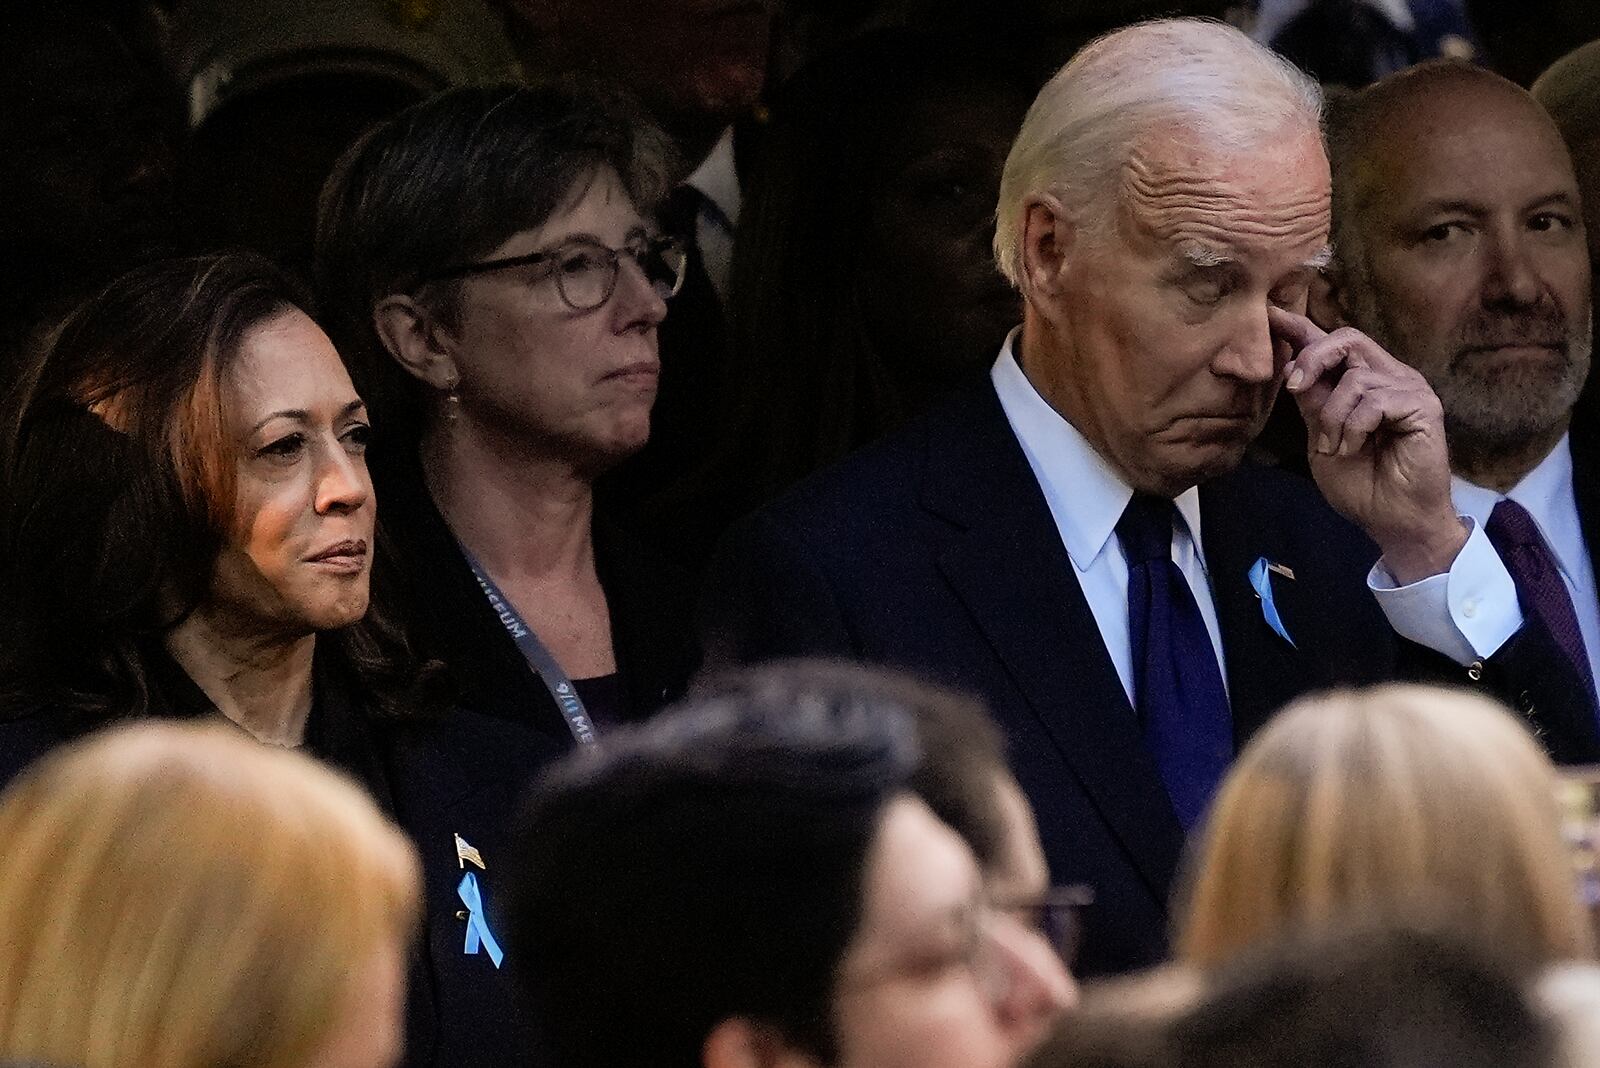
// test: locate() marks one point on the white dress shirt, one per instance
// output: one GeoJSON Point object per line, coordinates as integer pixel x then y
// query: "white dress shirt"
{"type": "Point", "coordinates": [1086, 499]}
{"type": "Point", "coordinates": [1467, 613]}
{"type": "Point", "coordinates": [718, 183]}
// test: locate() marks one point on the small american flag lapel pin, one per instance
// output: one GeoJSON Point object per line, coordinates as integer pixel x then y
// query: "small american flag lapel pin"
{"type": "Point", "coordinates": [465, 852]}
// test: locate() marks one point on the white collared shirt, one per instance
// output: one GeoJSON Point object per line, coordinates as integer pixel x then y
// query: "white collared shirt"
{"type": "Point", "coordinates": [1086, 499]}
{"type": "Point", "coordinates": [718, 184]}
{"type": "Point", "coordinates": [1467, 613]}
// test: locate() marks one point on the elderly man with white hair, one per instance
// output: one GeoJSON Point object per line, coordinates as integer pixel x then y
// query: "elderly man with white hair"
{"type": "Point", "coordinates": [1077, 538]}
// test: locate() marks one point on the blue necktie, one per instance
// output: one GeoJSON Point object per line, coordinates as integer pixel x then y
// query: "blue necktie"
{"type": "Point", "coordinates": [1177, 685]}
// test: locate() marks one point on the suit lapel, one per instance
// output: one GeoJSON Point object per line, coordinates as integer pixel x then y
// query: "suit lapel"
{"type": "Point", "coordinates": [1010, 570]}
{"type": "Point", "coordinates": [1264, 671]}
{"type": "Point", "coordinates": [462, 776]}
{"type": "Point", "coordinates": [1586, 487]}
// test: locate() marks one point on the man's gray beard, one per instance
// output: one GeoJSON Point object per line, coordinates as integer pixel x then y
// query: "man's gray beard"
{"type": "Point", "coordinates": [1500, 414]}
{"type": "Point", "coordinates": [1481, 416]}
{"type": "Point", "coordinates": [1486, 420]}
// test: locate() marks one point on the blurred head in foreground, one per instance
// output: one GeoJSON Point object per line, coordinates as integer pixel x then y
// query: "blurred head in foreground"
{"type": "Point", "coordinates": [1374, 996]}
{"type": "Point", "coordinates": [1342, 995]}
{"type": "Point", "coordinates": [752, 880]}
{"type": "Point", "coordinates": [962, 774]}
{"type": "Point", "coordinates": [1398, 797]}
{"type": "Point", "coordinates": [186, 897]}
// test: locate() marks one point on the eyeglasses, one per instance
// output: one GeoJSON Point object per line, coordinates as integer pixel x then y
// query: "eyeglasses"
{"type": "Point", "coordinates": [586, 271]}
{"type": "Point", "coordinates": [1055, 914]}
{"type": "Point", "coordinates": [1052, 916]}
{"type": "Point", "coordinates": [988, 945]}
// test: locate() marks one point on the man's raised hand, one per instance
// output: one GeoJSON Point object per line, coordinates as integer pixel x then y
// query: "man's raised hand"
{"type": "Point", "coordinates": [1375, 431]}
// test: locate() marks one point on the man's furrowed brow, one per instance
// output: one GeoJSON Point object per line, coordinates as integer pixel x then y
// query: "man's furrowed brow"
{"type": "Point", "coordinates": [1203, 255]}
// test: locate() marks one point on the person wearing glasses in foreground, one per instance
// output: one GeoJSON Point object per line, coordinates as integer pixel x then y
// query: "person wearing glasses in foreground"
{"type": "Point", "coordinates": [751, 879]}
{"type": "Point", "coordinates": [488, 262]}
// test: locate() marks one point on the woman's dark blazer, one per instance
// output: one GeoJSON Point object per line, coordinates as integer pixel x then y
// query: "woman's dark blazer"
{"type": "Point", "coordinates": [458, 773]}
{"type": "Point", "coordinates": [651, 606]}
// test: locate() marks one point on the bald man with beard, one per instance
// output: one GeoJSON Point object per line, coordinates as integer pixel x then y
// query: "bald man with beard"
{"type": "Point", "coordinates": [1460, 248]}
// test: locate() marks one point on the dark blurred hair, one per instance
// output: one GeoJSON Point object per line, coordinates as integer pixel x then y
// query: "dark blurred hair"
{"type": "Point", "coordinates": [1370, 996]}
{"type": "Point", "coordinates": [963, 752]}
{"type": "Point", "coordinates": [1386, 994]}
{"type": "Point", "coordinates": [708, 865]}
{"type": "Point", "coordinates": [444, 183]}
{"type": "Point", "coordinates": [119, 481]}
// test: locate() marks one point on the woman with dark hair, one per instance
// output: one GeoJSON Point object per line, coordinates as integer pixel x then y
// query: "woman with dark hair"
{"type": "Point", "coordinates": [488, 261]}
{"type": "Point", "coordinates": [189, 534]}
{"type": "Point", "coordinates": [142, 517]}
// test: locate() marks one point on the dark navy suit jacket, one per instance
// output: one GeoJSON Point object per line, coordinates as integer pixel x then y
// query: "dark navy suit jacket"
{"type": "Point", "coordinates": [648, 596]}
{"type": "Point", "coordinates": [935, 551]}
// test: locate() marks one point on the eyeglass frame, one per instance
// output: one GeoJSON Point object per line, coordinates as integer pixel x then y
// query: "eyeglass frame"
{"type": "Point", "coordinates": [654, 245]}
{"type": "Point", "coordinates": [1059, 915]}
{"type": "Point", "coordinates": [1061, 928]}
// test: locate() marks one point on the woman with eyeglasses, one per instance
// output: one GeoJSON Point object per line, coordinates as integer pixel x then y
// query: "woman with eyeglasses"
{"type": "Point", "coordinates": [488, 261]}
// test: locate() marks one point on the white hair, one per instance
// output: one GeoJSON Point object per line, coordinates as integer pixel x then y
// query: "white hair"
{"type": "Point", "coordinates": [1203, 76]}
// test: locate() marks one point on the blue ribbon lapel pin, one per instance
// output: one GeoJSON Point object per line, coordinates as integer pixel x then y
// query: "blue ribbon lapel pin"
{"type": "Point", "coordinates": [479, 937]}
{"type": "Point", "coordinates": [1261, 573]}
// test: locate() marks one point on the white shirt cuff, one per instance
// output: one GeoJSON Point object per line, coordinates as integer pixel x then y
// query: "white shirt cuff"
{"type": "Point", "coordinates": [1467, 613]}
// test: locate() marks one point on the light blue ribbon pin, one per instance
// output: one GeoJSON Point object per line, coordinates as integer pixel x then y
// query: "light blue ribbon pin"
{"type": "Point", "coordinates": [477, 927]}
{"type": "Point", "coordinates": [1261, 582]}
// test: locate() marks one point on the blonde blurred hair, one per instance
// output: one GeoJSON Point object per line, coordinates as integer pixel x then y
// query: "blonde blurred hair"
{"type": "Point", "coordinates": [1396, 798]}
{"type": "Point", "coordinates": [184, 897]}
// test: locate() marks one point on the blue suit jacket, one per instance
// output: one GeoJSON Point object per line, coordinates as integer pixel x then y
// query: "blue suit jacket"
{"type": "Point", "coordinates": [936, 551]}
